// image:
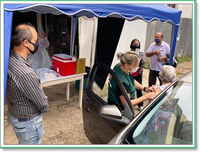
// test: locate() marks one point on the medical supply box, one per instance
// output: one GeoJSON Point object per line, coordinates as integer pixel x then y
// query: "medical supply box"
{"type": "Point", "coordinates": [80, 65]}
{"type": "Point", "coordinates": [64, 64]}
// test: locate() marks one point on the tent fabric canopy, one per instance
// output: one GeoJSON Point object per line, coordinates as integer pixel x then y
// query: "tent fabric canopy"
{"type": "Point", "coordinates": [146, 12]}
{"type": "Point", "coordinates": [127, 11]}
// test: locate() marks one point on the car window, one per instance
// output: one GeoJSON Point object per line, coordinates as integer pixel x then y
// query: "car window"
{"type": "Point", "coordinates": [102, 92]}
{"type": "Point", "coordinates": [101, 84]}
{"type": "Point", "coordinates": [169, 122]}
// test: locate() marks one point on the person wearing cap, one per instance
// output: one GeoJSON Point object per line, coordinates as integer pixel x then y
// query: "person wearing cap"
{"type": "Point", "coordinates": [26, 99]}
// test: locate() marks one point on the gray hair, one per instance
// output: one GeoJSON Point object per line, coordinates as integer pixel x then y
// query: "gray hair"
{"type": "Point", "coordinates": [128, 58]}
{"type": "Point", "coordinates": [20, 34]}
{"type": "Point", "coordinates": [167, 73]}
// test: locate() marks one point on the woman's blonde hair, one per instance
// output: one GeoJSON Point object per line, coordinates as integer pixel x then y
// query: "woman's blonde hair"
{"type": "Point", "coordinates": [128, 58]}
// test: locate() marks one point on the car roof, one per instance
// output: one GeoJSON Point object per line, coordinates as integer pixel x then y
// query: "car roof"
{"type": "Point", "coordinates": [187, 78]}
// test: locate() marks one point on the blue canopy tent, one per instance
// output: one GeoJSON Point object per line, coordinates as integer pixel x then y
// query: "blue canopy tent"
{"type": "Point", "coordinates": [129, 12]}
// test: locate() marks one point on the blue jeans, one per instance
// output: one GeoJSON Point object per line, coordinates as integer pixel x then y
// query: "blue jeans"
{"type": "Point", "coordinates": [28, 132]}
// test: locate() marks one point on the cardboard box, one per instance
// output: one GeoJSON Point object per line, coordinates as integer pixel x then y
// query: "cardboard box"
{"type": "Point", "coordinates": [64, 64]}
{"type": "Point", "coordinates": [80, 65]}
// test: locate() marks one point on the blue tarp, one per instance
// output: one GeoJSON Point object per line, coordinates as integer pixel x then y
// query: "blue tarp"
{"type": "Point", "coordinates": [127, 11]}
{"type": "Point", "coordinates": [145, 12]}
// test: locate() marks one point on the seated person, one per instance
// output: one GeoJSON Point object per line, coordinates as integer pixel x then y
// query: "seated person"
{"type": "Point", "coordinates": [164, 119]}
{"type": "Point", "coordinates": [129, 62]}
{"type": "Point", "coordinates": [167, 76]}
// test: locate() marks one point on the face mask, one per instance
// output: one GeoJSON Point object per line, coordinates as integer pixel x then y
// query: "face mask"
{"type": "Point", "coordinates": [134, 70]}
{"type": "Point", "coordinates": [157, 41]}
{"type": "Point", "coordinates": [134, 47]}
{"type": "Point", "coordinates": [36, 46]}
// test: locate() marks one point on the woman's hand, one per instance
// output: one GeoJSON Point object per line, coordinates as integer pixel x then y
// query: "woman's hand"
{"type": "Point", "coordinates": [151, 89]}
{"type": "Point", "coordinates": [151, 95]}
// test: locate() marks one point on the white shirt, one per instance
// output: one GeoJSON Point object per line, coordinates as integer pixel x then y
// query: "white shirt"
{"type": "Point", "coordinates": [154, 63]}
{"type": "Point", "coordinates": [162, 87]}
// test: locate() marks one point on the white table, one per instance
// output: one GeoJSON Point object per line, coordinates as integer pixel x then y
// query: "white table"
{"type": "Point", "coordinates": [66, 79]}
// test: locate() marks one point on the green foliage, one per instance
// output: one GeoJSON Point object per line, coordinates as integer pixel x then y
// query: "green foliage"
{"type": "Point", "coordinates": [184, 59]}
{"type": "Point", "coordinates": [146, 66]}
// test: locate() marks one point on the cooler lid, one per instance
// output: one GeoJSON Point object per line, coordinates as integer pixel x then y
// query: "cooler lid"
{"type": "Point", "coordinates": [63, 56]}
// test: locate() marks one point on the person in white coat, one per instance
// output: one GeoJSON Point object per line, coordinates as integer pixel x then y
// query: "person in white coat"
{"type": "Point", "coordinates": [41, 58]}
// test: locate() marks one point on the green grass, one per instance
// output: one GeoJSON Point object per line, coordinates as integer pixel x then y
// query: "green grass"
{"type": "Point", "coordinates": [180, 60]}
{"type": "Point", "coordinates": [179, 74]}
{"type": "Point", "coordinates": [146, 66]}
{"type": "Point", "coordinates": [184, 59]}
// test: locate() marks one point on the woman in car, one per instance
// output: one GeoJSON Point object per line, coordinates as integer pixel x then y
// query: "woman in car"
{"type": "Point", "coordinates": [129, 62]}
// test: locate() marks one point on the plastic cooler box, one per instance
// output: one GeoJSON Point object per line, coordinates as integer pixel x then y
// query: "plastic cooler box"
{"type": "Point", "coordinates": [64, 64]}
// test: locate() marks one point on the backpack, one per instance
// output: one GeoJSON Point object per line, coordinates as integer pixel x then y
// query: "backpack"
{"type": "Point", "coordinates": [174, 63]}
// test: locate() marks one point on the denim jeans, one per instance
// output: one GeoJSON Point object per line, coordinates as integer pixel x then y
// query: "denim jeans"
{"type": "Point", "coordinates": [28, 132]}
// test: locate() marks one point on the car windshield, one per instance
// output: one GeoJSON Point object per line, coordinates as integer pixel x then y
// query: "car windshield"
{"type": "Point", "coordinates": [171, 120]}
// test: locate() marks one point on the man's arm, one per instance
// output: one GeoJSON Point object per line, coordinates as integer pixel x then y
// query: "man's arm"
{"type": "Point", "coordinates": [149, 54]}
{"type": "Point", "coordinates": [163, 58]}
{"type": "Point", "coordinates": [31, 88]}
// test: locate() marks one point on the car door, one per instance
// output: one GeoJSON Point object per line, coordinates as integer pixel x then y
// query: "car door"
{"type": "Point", "coordinates": [167, 120]}
{"type": "Point", "coordinates": [101, 123]}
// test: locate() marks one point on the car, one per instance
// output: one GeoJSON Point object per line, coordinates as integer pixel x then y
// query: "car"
{"type": "Point", "coordinates": [166, 120]}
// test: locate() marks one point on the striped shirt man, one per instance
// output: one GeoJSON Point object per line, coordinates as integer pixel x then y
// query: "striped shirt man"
{"type": "Point", "coordinates": [26, 98]}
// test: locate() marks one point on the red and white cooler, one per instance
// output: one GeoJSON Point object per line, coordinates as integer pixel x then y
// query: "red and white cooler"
{"type": "Point", "coordinates": [64, 64]}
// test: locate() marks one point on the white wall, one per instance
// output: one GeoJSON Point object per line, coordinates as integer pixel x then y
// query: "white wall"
{"type": "Point", "coordinates": [186, 10]}
{"type": "Point", "coordinates": [131, 30]}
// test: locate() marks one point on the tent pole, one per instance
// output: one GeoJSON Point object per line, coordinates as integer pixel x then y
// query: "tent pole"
{"type": "Point", "coordinates": [7, 40]}
{"type": "Point", "coordinates": [39, 23]}
{"type": "Point", "coordinates": [173, 42]}
{"type": "Point", "coordinates": [74, 22]}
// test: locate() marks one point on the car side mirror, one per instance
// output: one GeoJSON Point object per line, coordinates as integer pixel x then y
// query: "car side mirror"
{"type": "Point", "coordinates": [110, 111]}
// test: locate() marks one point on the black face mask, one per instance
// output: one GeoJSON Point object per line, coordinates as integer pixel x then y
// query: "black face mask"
{"type": "Point", "coordinates": [134, 47]}
{"type": "Point", "coordinates": [36, 46]}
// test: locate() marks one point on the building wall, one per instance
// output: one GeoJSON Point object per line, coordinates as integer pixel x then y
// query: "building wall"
{"type": "Point", "coordinates": [186, 10]}
{"type": "Point", "coordinates": [184, 45]}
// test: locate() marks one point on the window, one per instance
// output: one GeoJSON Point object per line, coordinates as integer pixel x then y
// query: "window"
{"type": "Point", "coordinates": [101, 92]}
{"type": "Point", "coordinates": [102, 87]}
{"type": "Point", "coordinates": [169, 122]}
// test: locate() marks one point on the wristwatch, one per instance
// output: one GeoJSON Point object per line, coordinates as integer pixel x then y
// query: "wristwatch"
{"type": "Point", "coordinates": [144, 89]}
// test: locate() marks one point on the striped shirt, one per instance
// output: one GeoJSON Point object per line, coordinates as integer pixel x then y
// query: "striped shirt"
{"type": "Point", "coordinates": [25, 96]}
